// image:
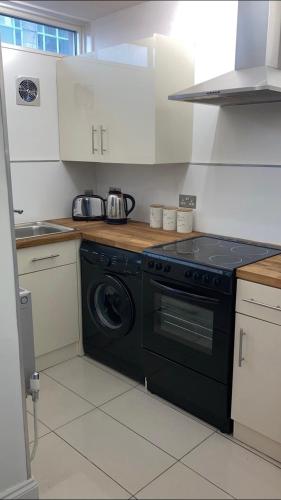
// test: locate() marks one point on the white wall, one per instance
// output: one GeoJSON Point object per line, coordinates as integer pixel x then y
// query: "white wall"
{"type": "Point", "coordinates": [45, 190]}
{"type": "Point", "coordinates": [238, 201]}
{"type": "Point", "coordinates": [42, 186]}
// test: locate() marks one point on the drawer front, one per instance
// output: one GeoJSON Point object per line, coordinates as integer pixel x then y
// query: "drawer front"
{"type": "Point", "coordinates": [46, 256]}
{"type": "Point", "coordinates": [259, 301]}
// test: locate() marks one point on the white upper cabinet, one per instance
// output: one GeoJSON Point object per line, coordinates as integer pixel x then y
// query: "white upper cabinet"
{"type": "Point", "coordinates": [32, 130]}
{"type": "Point", "coordinates": [114, 108]}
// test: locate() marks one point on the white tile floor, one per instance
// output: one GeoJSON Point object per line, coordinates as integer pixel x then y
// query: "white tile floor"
{"type": "Point", "coordinates": [103, 436]}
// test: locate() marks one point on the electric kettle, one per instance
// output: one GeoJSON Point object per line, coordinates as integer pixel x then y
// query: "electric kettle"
{"type": "Point", "coordinates": [117, 206]}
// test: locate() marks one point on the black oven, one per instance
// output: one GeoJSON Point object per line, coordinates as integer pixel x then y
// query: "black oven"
{"type": "Point", "coordinates": [188, 301]}
{"type": "Point", "coordinates": [188, 336]}
{"type": "Point", "coordinates": [188, 324]}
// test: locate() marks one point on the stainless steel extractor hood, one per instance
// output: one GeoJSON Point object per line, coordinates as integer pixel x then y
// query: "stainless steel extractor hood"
{"type": "Point", "coordinates": [257, 74]}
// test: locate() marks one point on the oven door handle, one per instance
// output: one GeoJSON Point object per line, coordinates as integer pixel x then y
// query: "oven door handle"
{"type": "Point", "coordinates": [188, 295]}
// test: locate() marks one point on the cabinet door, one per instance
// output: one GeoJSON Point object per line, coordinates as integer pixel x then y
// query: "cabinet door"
{"type": "Point", "coordinates": [54, 307]}
{"type": "Point", "coordinates": [78, 109]}
{"type": "Point", "coordinates": [256, 396]}
{"type": "Point", "coordinates": [127, 113]}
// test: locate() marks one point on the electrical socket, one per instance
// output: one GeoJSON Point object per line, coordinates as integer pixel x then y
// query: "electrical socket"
{"type": "Point", "coordinates": [187, 201]}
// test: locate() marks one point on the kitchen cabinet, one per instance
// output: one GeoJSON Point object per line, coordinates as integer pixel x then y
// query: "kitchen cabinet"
{"type": "Point", "coordinates": [114, 108]}
{"type": "Point", "coordinates": [32, 130]}
{"type": "Point", "coordinates": [50, 272]}
{"type": "Point", "coordinates": [256, 396]}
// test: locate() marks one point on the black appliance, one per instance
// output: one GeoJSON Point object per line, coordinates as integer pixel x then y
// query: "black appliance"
{"type": "Point", "coordinates": [88, 207]}
{"type": "Point", "coordinates": [111, 307]}
{"type": "Point", "coordinates": [188, 322]}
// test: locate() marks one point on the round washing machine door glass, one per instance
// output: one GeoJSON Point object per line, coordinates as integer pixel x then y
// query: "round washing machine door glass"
{"type": "Point", "coordinates": [111, 307]}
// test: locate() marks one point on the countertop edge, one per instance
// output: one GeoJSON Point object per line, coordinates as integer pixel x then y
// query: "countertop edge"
{"type": "Point", "coordinates": [87, 231]}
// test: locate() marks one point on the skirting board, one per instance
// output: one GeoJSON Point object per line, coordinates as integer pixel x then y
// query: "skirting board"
{"type": "Point", "coordinates": [257, 441]}
{"type": "Point", "coordinates": [27, 490]}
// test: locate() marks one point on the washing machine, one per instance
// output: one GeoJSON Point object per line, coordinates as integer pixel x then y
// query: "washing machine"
{"type": "Point", "coordinates": [111, 307]}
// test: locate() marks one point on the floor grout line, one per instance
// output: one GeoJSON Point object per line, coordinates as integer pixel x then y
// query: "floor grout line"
{"type": "Point", "coordinates": [197, 445]}
{"type": "Point", "coordinates": [39, 420]}
{"type": "Point", "coordinates": [165, 403]}
{"type": "Point", "coordinates": [156, 477]}
{"type": "Point", "coordinates": [195, 472]}
{"type": "Point", "coordinates": [140, 435]}
{"type": "Point", "coordinates": [251, 450]}
{"type": "Point", "coordinates": [59, 363]}
{"type": "Point", "coordinates": [47, 434]}
{"type": "Point", "coordinates": [82, 397]}
{"type": "Point", "coordinates": [74, 419]}
{"type": "Point", "coordinates": [92, 361]}
{"type": "Point", "coordinates": [177, 409]}
{"type": "Point", "coordinates": [93, 463]}
{"type": "Point", "coordinates": [206, 479]}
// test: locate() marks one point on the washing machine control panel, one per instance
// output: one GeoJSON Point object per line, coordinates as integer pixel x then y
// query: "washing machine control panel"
{"type": "Point", "coordinates": [111, 259]}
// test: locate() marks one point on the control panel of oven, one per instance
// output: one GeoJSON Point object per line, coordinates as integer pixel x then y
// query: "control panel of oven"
{"type": "Point", "coordinates": [218, 279]}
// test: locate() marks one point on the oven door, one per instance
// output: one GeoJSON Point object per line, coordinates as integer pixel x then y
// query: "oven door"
{"type": "Point", "coordinates": [189, 325]}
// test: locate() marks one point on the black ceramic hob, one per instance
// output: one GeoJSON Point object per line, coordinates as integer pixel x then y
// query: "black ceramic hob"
{"type": "Point", "coordinates": [214, 252]}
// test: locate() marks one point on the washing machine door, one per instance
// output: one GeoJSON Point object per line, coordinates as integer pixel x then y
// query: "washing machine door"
{"type": "Point", "coordinates": [111, 307]}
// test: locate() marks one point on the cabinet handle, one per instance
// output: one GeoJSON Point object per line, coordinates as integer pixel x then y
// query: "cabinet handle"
{"type": "Point", "coordinates": [94, 149]}
{"type": "Point", "coordinates": [262, 304]}
{"type": "Point", "coordinates": [102, 131]}
{"type": "Point", "coordinates": [53, 256]}
{"type": "Point", "coordinates": [240, 355]}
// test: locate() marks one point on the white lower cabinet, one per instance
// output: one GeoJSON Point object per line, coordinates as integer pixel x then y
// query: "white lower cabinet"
{"type": "Point", "coordinates": [256, 396]}
{"type": "Point", "coordinates": [55, 300]}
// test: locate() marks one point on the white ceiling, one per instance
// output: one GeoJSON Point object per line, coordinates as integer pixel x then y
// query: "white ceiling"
{"type": "Point", "coordinates": [81, 10]}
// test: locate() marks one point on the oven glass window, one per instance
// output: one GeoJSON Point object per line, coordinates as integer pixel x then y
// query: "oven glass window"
{"type": "Point", "coordinates": [184, 322]}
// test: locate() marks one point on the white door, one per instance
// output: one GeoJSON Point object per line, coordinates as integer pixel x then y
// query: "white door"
{"type": "Point", "coordinates": [127, 113]}
{"type": "Point", "coordinates": [256, 396]}
{"type": "Point", "coordinates": [14, 461]}
{"type": "Point", "coordinates": [55, 326]}
{"type": "Point", "coordinates": [78, 109]}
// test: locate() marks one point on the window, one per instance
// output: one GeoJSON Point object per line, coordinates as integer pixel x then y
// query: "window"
{"type": "Point", "coordinates": [33, 35]}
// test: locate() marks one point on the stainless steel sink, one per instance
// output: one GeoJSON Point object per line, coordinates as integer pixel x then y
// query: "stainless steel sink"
{"type": "Point", "coordinates": [34, 229]}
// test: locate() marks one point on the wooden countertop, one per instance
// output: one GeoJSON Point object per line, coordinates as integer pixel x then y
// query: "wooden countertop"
{"type": "Point", "coordinates": [134, 236]}
{"type": "Point", "coordinates": [266, 272]}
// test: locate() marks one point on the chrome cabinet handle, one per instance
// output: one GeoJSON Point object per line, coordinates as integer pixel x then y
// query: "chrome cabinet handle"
{"type": "Point", "coordinates": [94, 149]}
{"type": "Point", "coordinates": [262, 304]}
{"type": "Point", "coordinates": [53, 256]}
{"type": "Point", "coordinates": [102, 131]}
{"type": "Point", "coordinates": [240, 355]}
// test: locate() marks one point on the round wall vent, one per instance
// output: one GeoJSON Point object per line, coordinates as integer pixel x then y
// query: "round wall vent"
{"type": "Point", "coordinates": [28, 91]}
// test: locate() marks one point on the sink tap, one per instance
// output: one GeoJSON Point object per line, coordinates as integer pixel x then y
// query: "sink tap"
{"type": "Point", "coordinates": [16, 211]}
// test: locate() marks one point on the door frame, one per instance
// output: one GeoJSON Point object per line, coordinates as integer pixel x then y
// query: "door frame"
{"type": "Point", "coordinates": [15, 476]}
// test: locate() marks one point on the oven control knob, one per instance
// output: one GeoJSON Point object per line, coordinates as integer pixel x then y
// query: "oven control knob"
{"type": "Point", "coordinates": [206, 278]}
{"type": "Point", "coordinates": [196, 276]}
{"type": "Point", "coordinates": [167, 268]}
{"type": "Point", "coordinates": [217, 281]}
{"type": "Point", "coordinates": [159, 266]}
{"type": "Point", "coordinates": [151, 264]}
{"type": "Point", "coordinates": [187, 273]}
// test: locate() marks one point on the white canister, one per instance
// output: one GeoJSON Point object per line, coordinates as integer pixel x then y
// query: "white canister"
{"type": "Point", "coordinates": [156, 216]}
{"type": "Point", "coordinates": [170, 218]}
{"type": "Point", "coordinates": [184, 220]}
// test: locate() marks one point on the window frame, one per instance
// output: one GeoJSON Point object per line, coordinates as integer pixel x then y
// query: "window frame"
{"type": "Point", "coordinates": [49, 21]}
